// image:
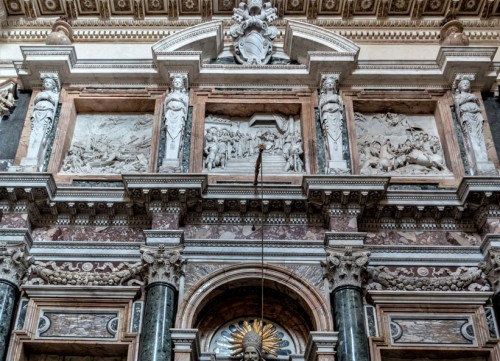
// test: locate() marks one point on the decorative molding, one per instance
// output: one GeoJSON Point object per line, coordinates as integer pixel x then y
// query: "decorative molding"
{"type": "Point", "coordinates": [320, 345]}
{"type": "Point", "coordinates": [87, 292]}
{"type": "Point", "coordinates": [429, 297]}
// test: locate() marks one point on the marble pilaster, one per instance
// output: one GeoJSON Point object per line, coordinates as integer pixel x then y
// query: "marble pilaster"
{"type": "Point", "coordinates": [165, 267]}
{"type": "Point", "coordinates": [156, 344]}
{"type": "Point", "coordinates": [14, 264]}
{"type": "Point", "coordinates": [8, 297]}
{"type": "Point", "coordinates": [345, 269]}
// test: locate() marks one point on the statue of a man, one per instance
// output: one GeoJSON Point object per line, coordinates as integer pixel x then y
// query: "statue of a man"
{"type": "Point", "coordinates": [176, 108]}
{"type": "Point", "coordinates": [253, 339]}
{"type": "Point", "coordinates": [471, 119]}
{"type": "Point", "coordinates": [42, 118]}
{"type": "Point", "coordinates": [331, 109]}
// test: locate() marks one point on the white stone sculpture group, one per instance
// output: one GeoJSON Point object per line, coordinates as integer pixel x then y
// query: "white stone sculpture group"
{"type": "Point", "coordinates": [227, 141]}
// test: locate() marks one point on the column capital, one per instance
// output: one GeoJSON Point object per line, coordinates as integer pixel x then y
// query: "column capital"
{"type": "Point", "coordinates": [345, 267]}
{"type": "Point", "coordinates": [163, 264]}
{"type": "Point", "coordinates": [491, 267]}
{"type": "Point", "coordinates": [14, 262]}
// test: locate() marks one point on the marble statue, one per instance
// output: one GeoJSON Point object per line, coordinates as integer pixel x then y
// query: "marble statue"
{"type": "Point", "coordinates": [399, 144]}
{"type": "Point", "coordinates": [175, 109]}
{"type": "Point", "coordinates": [253, 37]}
{"type": "Point", "coordinates": [232, 145]}
{"type": "Point", "coordinates": [331, 110]}
{"type": "Point", "coordinates": [7, 97]}
{"type": "Point", "coordinates": [252, 340]}
{"type": "Point", "coordinates": [452, 34]}
{"type": "Point", "coordinates": [42, 120]}
{"type": "Point", "coordinates": [472, 121]}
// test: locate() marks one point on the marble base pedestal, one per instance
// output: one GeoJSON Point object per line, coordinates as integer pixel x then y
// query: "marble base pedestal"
{"type": "Point", "coordinates": [338, 167]}
{"type": "Point", "coordinates": [352, 344]}
{"type": "Point", "coordinates": [156, 340]}
{"type": "Point", "coordinates": [486, 168]}
{"type": "Point", "coordinates": [8, 296]}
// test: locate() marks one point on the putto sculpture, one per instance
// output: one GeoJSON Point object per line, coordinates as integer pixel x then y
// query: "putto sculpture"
{"type": "Point", "coordinates": [253, 37]}
{"type": "Point", "coordinates": [253, 340]}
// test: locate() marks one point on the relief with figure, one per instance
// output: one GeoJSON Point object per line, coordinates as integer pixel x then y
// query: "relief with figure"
{"type": "Point", "coordinates": [399, 144]}
{"type": "Point", "coordinates": [109, 144]}
{"type": "Point", "coordinates": [231, 145]}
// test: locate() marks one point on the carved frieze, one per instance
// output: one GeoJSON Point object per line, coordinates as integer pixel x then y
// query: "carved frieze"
{"type": "Point", "coordinates": [163, 264]}
{"type": "Point", "coordinates": [427, 279]}
{"type": "Point", "coordinates": [253, 36]}
{"type": "Point", "coordinates": [345, 267]}
{"type": "Point", "coordinates": [109, 144]}
{"type": "Point", "coordinates": [14, 263]}
{"type": "Point", "coordinates": [232, 144]}
{"type": "Point", "coordinates": [85, 274]}
{"type": "Point", "coordinates": [399, 144]}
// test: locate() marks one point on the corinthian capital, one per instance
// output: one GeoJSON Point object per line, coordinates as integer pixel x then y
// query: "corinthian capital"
{"type": "Point", "coordinates": [14, 263]}
{"type": "Point", "coordinates": [345, 267]}
{"type": "Point", "coordinates": [491, 267]}
{"type": "Point", "coordinates": [163, 264]}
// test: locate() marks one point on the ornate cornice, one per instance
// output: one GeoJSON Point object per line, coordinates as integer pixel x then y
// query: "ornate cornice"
{"type": "Point", "coordinates": [14, 263]}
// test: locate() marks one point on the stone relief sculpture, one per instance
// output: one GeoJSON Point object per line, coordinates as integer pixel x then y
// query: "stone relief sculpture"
{"type": "Point", "coordinates": [253, 340]}
{"type": "Point", "coordinates": [427, 279]}
{"type": "Point", "coordinates": [472, 121]}
{"type": "Point", "coordinates": [232, 145]}
{"type": "Point", "coordinates": [7, 97]}
{"type": "Point", "coordinates": [14, 263]}
{"type": "Point", "coordinates": [331, 113]}
{"type": "Point", "coordinates": [175, 109]}
{"type": "Point", "coordinates": [86, 274]}
{"type": "Point", "coordinates": [452, 34]}
{"type": "Point", "coordinates": [399, 144]}
{"type": "Point", "coordinates": [109, 144]}
{"type": "Point", "coordinates": [163, 264]}
{"type": "Point", "coordinates": [253, 37]}
{"type": "Point", "coordinates": [42, 120]}
{"type": "Point", "coordinates": [345, 267]}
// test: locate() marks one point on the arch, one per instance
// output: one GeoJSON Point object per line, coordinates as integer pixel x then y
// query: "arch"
{"type": "Point", "coordinates": [195, 299]}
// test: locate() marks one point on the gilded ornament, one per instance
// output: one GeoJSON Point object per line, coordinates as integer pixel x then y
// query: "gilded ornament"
{"type": "Point", "coordinates": [254, 339]}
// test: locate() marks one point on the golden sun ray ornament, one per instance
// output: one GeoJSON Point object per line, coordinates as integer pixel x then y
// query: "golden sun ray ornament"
{"type": "Point", "coordinates": [264, 339]}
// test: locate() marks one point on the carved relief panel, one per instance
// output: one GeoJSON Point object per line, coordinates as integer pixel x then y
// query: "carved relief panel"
{"type": "Point", "coordinates": [405, 135]}
{"type": "Point", "coordinates": [230, 128]}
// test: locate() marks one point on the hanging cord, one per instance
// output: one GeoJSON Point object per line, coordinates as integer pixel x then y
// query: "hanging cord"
{"type": "Point", "coordinates": [259, 168]}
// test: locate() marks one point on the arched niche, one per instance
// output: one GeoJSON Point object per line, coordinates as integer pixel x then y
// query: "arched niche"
{"type": "Point", "coordinates": [235, 292]}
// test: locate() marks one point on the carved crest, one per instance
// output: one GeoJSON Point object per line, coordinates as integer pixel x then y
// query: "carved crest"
{"type": "Point", "coordinates": [253, 37]}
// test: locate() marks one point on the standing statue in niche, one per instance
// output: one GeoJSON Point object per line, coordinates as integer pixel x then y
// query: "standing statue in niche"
{"type": "Point", "coordinates": [254, 339]}
{"type": "Point", "coordinates": [472, 121]}
{"type": "Point", "coordinates": [176, 109]}
{"type": "Point", "coordinates": [42, 121]}
{"type": "Point", "coordinates": [331, 110]}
